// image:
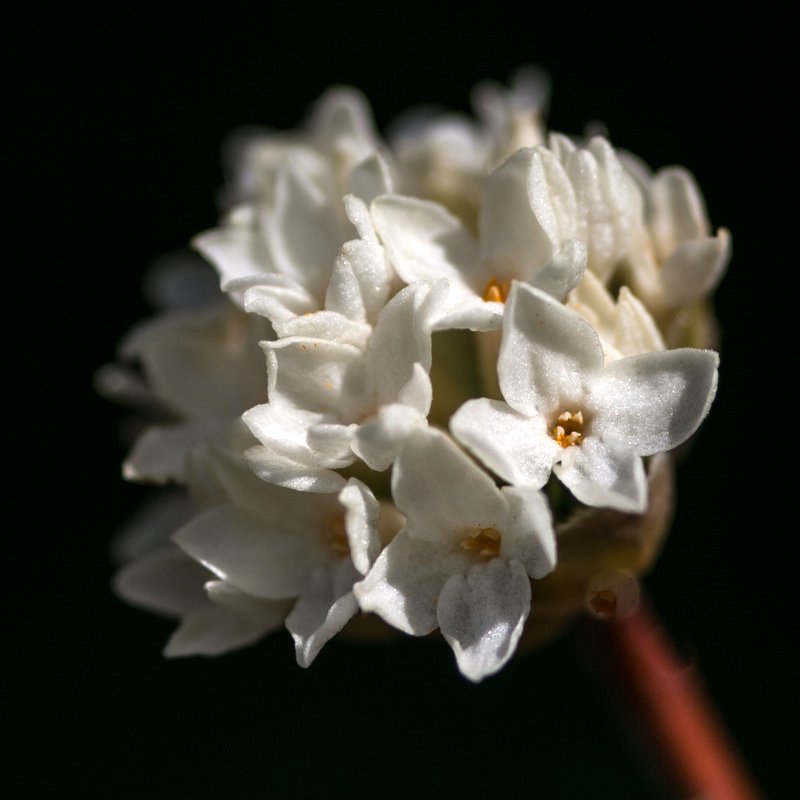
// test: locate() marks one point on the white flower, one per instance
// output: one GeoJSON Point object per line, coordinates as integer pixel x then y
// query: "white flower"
{"type": "Point", "coordinates": [273, 544]}
{"type": "Point", "coordinates": [565, 412]}
{"type": "Point", "coordinates": [201, 369]}
{"type": "Point", "coordinates": [463, 561]}
{"type": "Point", "coordinates": [676, 261]}
{"type": "Point", "coordinates": [326, 395]}
{"type": "Point", "coordinates": [527, 225]}
{"type": "Point", "coordinates": [215, 617]}
{"type": "Point", "coordinates": [288, 234]}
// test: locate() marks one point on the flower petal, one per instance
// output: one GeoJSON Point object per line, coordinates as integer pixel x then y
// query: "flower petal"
{"type": "Point", "coordinates": [547, 354]}
{"type": "Point", "coordinates": [361, 523]}
{"type": "Point", "coordinates": [262, 561]}
{"type": "Point", "coordinates": [694, 268]}
{"type": "Point", "coordinates": [528, 535]}
{"type": "Point", "coordinates": [600, 476]}
{"type": "Point", "coordinates": [426, 242]}
{"type": "Point", "coordinates": [652, 402]}
{"type": "Point", "coordinates": [482, 614]}
{"type": "Point", "coordinates": [441, 490]}
{"type": "Point", "coordinates": [165, 581]}
{"type": "Point", "coordinates": [405, 581]}
{"type": "Point", "coordinates": [515, 447]}
{"type": "Point", "coordinates": [322, 610]}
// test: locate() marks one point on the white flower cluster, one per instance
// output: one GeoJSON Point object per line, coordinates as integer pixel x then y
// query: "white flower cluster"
{"type": "Point", "coordinates": [449, 321]}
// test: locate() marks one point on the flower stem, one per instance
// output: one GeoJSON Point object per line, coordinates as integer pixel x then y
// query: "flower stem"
{"type": "Point", "coordinates": [671, 712]}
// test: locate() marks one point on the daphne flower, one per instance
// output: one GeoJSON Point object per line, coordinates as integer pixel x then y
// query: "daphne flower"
{"type": "Point", "coordinates": [463, 561]}
{"type": "Point", "coordinates": [290, 231]}
{"type": "Point", "coordinates": [201, 371]}
{"type": "Point", "coordinates": [527, 222]}
{"type": "Point", "coordinates": [566, 412]}
{"type": "Point", "coordinates": [273, 544]}
{"type": "Point", "coordinates": [325, 395]}
{"type": "Point", "coordinates": [677, 261]}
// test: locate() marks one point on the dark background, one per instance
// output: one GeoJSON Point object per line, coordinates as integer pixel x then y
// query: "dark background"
{"type": "Point", "coordinates": [112, 146]}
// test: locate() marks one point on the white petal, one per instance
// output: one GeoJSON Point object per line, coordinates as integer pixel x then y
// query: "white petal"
{"type": "Point", "coordinates": [482, 614]}
{"type": "Point", "coordinates": [441, 490]}
{"type": "Point", "coordinates": [321, 611]}
{"type": "Point", "coordinates": [562, 273]}
{"type": "Point", "coordinates": [378, 440]}
{"type": "Point", "coordinates": [159, 454]}
{"type": "Point", "coordinates": [528, 535]}
{"type": "Point", "coordinates": [284, 430]}
{"type": "Point", "coordinates": [318, 375]}
{"type": "Point", "coordinates": [235, 251]}
{"type": "Point", "coordinates": [326, 325]}
{"type": "Point", "coordinates": [301, 230]}
{"type": "Point", "coordinates": [512, 239]}
{"type": "Point", "coordinates": [329, 444]}
{"type": "Point", "coordinates": [402, 339]}
{"type": "Point", "coordinates": [212, 631]}
{"type": "Point", "coordinates": [426, 242]}
{"type": "Point", "coordinates": [270, 614]}
{"type": "Point", "coordinates": [635, 331]}
{"type": "Point", "coordinates": [652, 402]}
{"type": "Point", "coordinates": [599, 476]}
{"type": "Point", "coordinates": [361, 523]}
{"type": "Point", "coordinates": [515, 447]}
{"type": "Point", "coordinates": [678, 211]}
{"type": "Point", "coordinates": [277, 303]}
{"type": "Point", "coordinates": [469, 312]}
{"type": "Point", "coordinates": [273, 467]}
{"type": "Point", "coordinates": [547, 354]}
{"type": "Point", "coordinates": [263, 561]}
{"type": "Point", "coordinates": [694, 268]}
{"type": "Point", "coordinates": [371, 178]}
{"type": "Point", "coordinates": [404, 584]}
{"type": "Point", "coordinates": [165, 581]}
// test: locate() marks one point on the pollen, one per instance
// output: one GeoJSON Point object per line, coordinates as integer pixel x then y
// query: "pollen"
{"type": "Point", "coordinates": [496, 291]}
{"type": "Point", "coordinates": [336, 536]}
{"type": "Point", "coordinates": [568, 429]}
{"type": "Point", "coordinates": [483, 541]}
{"type": "Point", "coordinates": [604, 603]}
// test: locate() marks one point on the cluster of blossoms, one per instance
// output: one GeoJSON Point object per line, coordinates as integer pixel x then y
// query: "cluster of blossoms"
{"type": "Point", "coordinates": [480, 342]}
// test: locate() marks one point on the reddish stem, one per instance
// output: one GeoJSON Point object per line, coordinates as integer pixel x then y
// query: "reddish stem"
{"type": "Point", "coordinates": [671, 708]}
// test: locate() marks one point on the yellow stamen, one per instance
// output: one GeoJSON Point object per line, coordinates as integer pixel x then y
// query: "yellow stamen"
{"type": "Point", "coordinates": [483, 541]}
{"type": "Point", "coordinates": [569, 429]}
{"type": "Point", "coordinates": [496, 291]}
{"type": "Point", "coordinates": [336, 536]}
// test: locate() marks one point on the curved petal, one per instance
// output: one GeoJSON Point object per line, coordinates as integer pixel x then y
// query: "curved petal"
{"type": "Point", "coordinates": [482, 614]}
{"type": "Point", "coordinates": [322, 610]}
{"type": "Point", "coordinates": [515, 447]}
{"type": "Point", "coordinates": [650, 403]}
{"type": "Point", "coordinates": [512, 237]}
{"type": "Point", "coordinates": [548, 353]}
{"type": "Point", "coordinates": [404, 584]}
{"type": "Point", "coordinates": [361, 523]}
{"type": "Point", "coordinates": [273, 467]}
{"type": "Point", "coordinates": [528, 535]}
{"type": "Point", "coordinates": [602, 477]}
{"type": "Point", "coordinates": [563, 272]}
{"type": "Point", "coordinates": [165, 581]}
{"type": "Point", "coordinates": [262, 561]}
{"type": "Point", "coordinates": [212, 631]}
{"type": "Point", "coordinates": [441, 490]}
{"type": "Point", "coordinates": [694, 268]}
{"type": "Point", "coordinates": [424, 241]}
{"type": "Point", "coordinates": [378, 440]}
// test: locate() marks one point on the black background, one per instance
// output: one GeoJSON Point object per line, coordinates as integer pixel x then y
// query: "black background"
{"type": "Point", "coordinates": [116, 117]}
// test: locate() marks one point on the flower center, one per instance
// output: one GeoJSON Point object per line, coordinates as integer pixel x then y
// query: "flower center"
{"type": "Point", "coordinates": [483, 541]}
{"type": "Point", "coordinates": [568, 429]}
{"type": "Point", "coordinates": [336, 536]}
{"type": "Point", "coordinates": [496, 291]}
